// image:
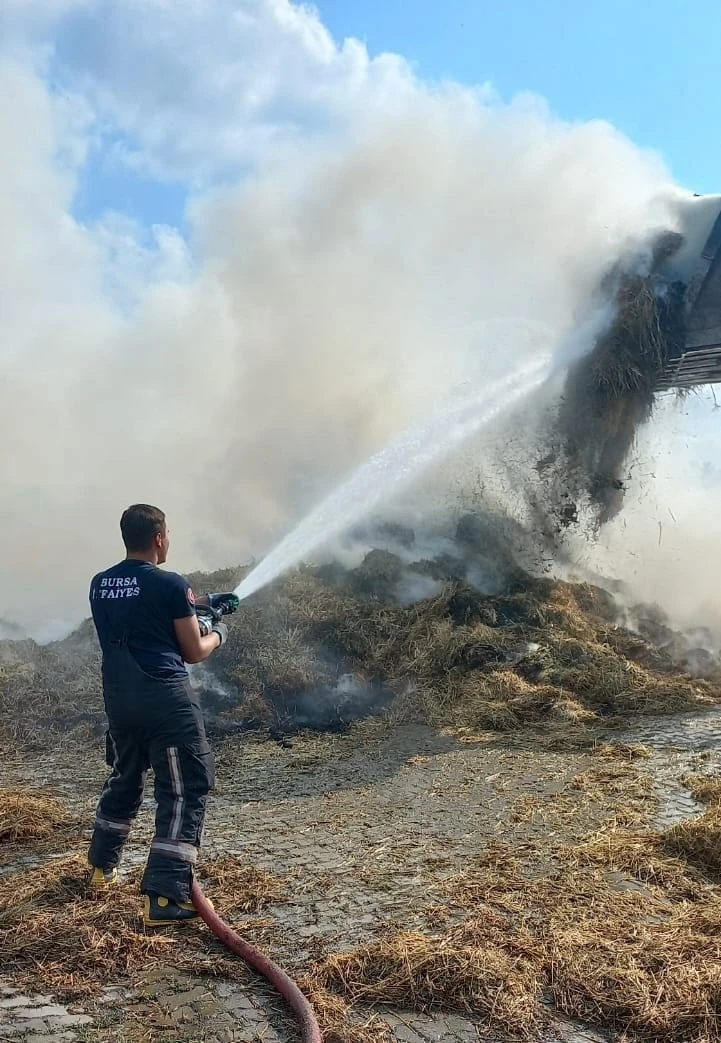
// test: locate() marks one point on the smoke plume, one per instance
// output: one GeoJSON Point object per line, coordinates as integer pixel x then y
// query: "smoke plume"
{"type": "Point", "coordinates": [356, 248]}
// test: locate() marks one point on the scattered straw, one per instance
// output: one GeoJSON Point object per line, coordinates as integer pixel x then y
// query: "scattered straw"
{"type": "Point", "coordinates": [339, 1021]}
{"type": "Point", "coordinates": [704, 788]}
{"type": "Point", "coordinates": [30, 815]}
{"type": "Point", "coordinates": [641, 856]}
{"type": "Point", "coordinates": [491, 978]}
{"type": "Point", "coordinates": [698, 841]}
{"type": "Point", "coordinates": [635, 961]}
{"type": "Point", "coordinates": [57, 934]}
{"type": "Point", "coordinates": [239, 887]}
{"type": "Point", "coordinates": [624, 751]}
{"type": "Point", "coordinates": [641, 961]}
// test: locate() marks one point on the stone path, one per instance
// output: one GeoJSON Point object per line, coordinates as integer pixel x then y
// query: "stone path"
{"type": "Point", "coordinates": [36, 1017]}
{"type": "Point", "coordinates": [366, 826]}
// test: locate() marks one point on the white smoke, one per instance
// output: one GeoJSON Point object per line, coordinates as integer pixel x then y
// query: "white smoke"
{"type": "Point", "coordinates": [358, 247]}
{"type": "Point", "coordinates": [665, 544]}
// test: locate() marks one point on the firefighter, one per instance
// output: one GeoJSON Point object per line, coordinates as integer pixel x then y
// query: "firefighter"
{"type": "Point", "coordinates": [148, 630]}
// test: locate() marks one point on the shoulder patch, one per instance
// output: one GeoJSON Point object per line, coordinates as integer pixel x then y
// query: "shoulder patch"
{"type": "Point", "coordinates": [191, 597]}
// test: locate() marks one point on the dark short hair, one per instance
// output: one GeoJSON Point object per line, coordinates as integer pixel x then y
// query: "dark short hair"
{"type": "Point", "coordinates": [140, 524]}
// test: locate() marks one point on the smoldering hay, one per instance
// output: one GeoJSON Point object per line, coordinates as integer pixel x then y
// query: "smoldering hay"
{"type": "Point", "coordinates": [344, 278]}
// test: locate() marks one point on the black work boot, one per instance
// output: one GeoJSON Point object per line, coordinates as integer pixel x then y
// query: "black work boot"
{"type": "Point", "coordinates": [160, 911]}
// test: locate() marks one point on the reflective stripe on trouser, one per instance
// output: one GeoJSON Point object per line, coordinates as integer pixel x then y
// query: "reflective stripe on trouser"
{"type": "Point", "coordinates": [153, 724]}
{"type": "Point", "coordinates": [181, 790]}
{"type": "Point", "coordinates": [120, 799]}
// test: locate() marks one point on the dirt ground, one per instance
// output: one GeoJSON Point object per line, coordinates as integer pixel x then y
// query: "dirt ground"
{"type": "Point", "coordinates": [364, 828]}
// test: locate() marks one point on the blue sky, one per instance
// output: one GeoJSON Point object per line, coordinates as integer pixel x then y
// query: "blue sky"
{"type": "Point", "coordinates": [651, 69]}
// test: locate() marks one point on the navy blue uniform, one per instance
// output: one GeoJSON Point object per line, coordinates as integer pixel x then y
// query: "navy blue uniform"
{"type": "Point", "coordinates": [154, 720]}
{"type": "Point", "coordinates": [145, 600]}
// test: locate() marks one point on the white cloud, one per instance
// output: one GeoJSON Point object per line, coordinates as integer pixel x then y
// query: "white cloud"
{"type": "Point", "coordinates": [203, 87]}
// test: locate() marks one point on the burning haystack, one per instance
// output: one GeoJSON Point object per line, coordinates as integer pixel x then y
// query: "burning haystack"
{"type": "Point", "coordinates": [309, 651]}
{"type": "Point", "coordinates": [325, 645]}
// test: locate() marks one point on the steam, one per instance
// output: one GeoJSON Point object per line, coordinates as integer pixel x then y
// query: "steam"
{"type": "Point", "coordinates": [386, 473]}
{"type": "Point", "coordinates": [665, 545]}
{"type": "Point", "coordinates": [359, 249]}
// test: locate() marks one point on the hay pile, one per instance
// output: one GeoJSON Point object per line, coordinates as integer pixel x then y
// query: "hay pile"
{"type": "Point", "coordinates": [319, 649]}
{"type": "Point", "coordinates": [324, 646]}
{"type": "Point", "coordinates": [50, 689]}
{"type": "Point", "coordinates": [307, 652]}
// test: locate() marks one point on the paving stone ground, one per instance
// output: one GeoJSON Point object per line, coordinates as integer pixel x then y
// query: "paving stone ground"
{"type": "Point", "coordinates": [367, 826]}
{"type": "Point", "coordinates": [36, 1016]}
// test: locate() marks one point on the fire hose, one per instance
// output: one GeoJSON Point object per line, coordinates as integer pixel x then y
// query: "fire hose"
{"type": "Point", "coordinates": [281, 982]}
{"type": "Point", "coordinates": [275, 975]}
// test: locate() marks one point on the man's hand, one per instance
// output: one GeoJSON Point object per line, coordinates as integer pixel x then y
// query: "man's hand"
{"type": "Point", "coordinates": [207, 625]}
{"type": "Point", "coordinates": [224, 603]}
{"type": "Point", "coordinates": [195, 639]}
{"type": "Point", "coordinates": [222, 631]}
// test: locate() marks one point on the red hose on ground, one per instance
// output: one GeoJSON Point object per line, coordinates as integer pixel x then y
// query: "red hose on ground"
{"type": "Point", "coordinates": [254, 958]}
